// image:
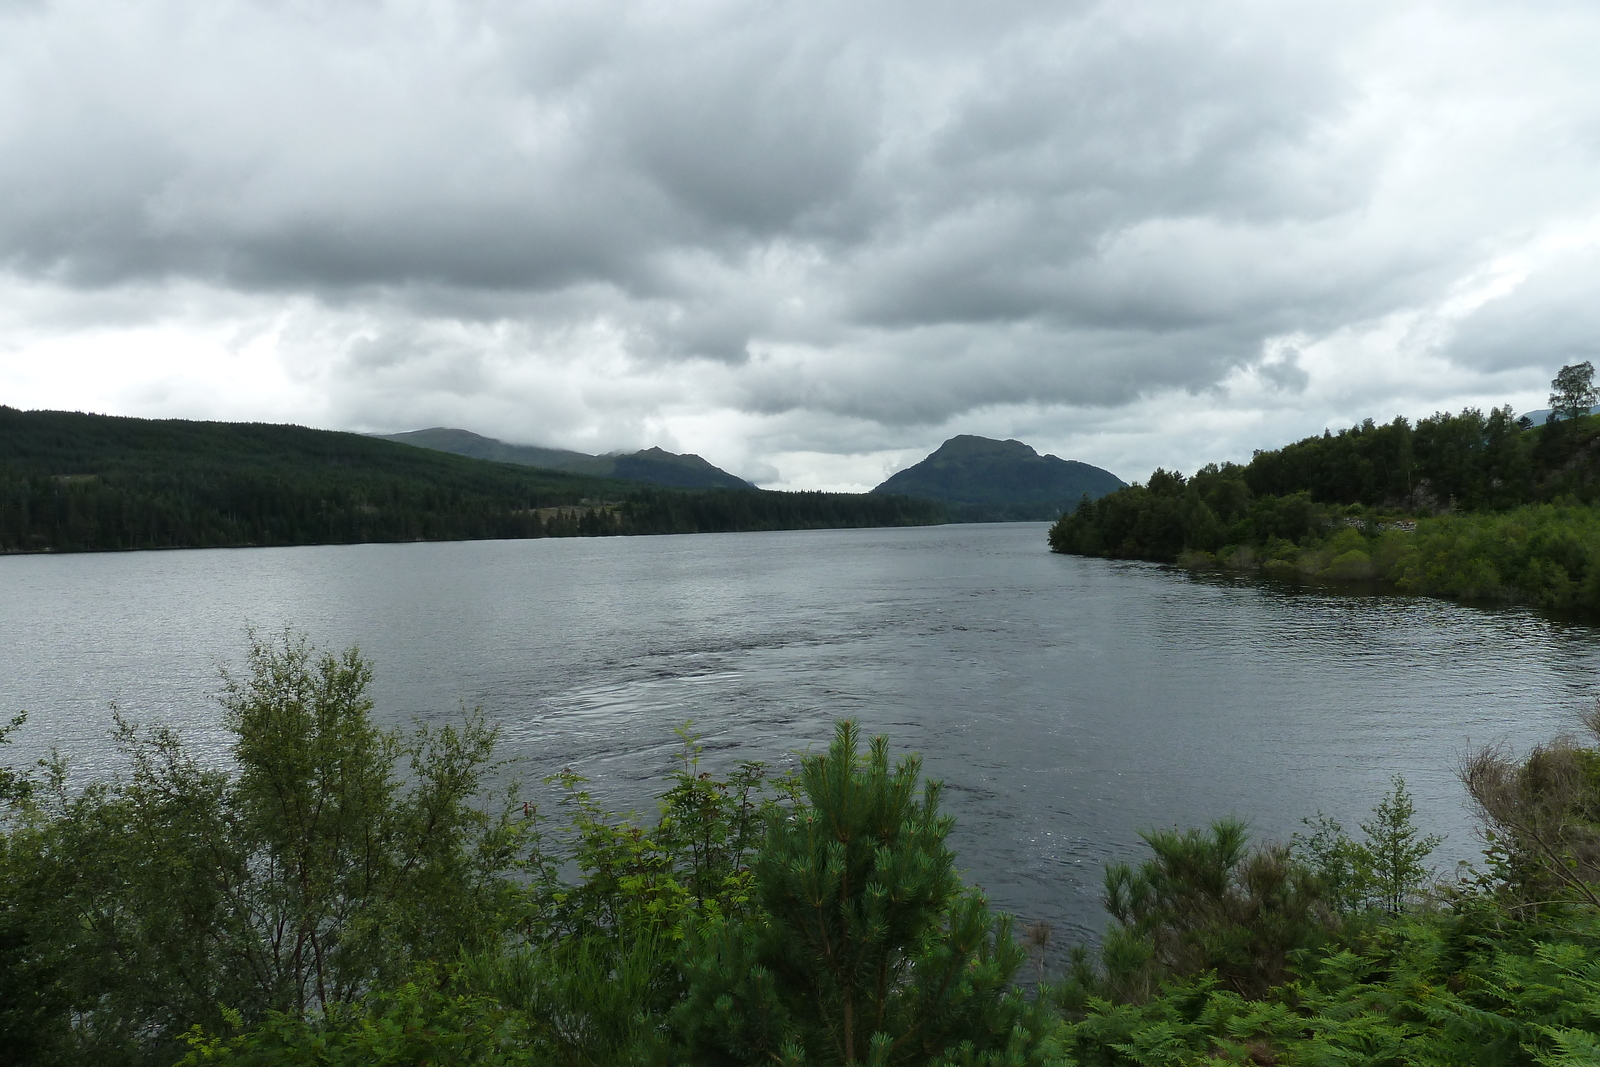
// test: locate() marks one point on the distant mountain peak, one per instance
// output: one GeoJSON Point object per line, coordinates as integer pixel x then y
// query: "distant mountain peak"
{"type": "Point", "coordinates": [966, 444]}
{"type": "Point", "coordinates": [654, 465]}
{"type": "Point", "coordinates": [987, 480]}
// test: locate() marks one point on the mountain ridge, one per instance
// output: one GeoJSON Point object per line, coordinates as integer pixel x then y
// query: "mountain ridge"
{"type": "Point", "coordinates": [654, 466]}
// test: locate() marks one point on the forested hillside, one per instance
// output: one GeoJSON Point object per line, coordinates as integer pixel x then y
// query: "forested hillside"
{"type": "Point", "coordinates": [77, 482]}
{"type": "Point", "coordinates": [1483, 507]}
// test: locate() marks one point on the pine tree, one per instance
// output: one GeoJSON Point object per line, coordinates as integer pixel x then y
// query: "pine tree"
{"type": "Point", "coordinates": [869, 951]}
{"type": "Point", "coordinates": [1395, 851]}
{"type": "Point", "coordinates": [1387, 871]}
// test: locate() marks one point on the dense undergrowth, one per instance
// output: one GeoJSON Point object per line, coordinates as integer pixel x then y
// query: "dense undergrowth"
{"type": "Point", "coordinates": [345, 894]}
{"type": "Point", "coordinates": [1483, 508]}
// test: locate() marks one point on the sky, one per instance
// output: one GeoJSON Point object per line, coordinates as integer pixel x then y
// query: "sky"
{"type": "Point", "coordinates": [806, 240]}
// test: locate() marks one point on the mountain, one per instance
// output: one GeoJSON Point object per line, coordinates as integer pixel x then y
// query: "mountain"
{"type": "Point", "coordinates": [653, 465]}
{"type": "Point", "coordinates": [998, 481]}
{"type": "Point", "coordinates": [467, 443]}
{"type": "Point", "coordinates": [660, 467]}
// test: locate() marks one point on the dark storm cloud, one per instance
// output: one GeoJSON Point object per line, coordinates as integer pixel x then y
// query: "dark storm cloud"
{"type": "Point", "coordinates": [892, 212]}
{"type": "Point", "coordinates": [503, 159]}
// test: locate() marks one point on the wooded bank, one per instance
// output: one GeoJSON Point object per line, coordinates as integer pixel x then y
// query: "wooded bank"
{"type": "Point", "coordinates": [1479, 507]}
{"type": "Point", "coordinates": [72, 482]}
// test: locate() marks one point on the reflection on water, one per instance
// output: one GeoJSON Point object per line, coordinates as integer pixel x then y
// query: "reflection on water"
{"type": "Point", "coordinates": [1067, 703]}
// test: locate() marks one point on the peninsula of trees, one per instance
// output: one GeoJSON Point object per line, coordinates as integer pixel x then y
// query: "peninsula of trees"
{"type": "Point", "coordinates": [1480, 507]}
{"type": "Point", "coordinates": [72, 482]}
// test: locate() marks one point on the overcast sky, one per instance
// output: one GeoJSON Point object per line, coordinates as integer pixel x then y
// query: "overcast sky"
{"type": "Point", "coordinates": [807, 240]}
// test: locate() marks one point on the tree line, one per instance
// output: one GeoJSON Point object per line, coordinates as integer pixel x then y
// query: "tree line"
{"type": "Point", "coordinates": [344, 893]}
{"type": "Point", "coordinates": [1487, 507]}
{"type": "Point", "coordinates": [72, 482]}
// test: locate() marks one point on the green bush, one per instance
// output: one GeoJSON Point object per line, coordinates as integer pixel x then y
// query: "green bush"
{"type": "Point", "coordinates": [306, 877]}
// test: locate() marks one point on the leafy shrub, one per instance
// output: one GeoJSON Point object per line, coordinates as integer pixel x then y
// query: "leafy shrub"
{"type": "Point", "coordinates": [1544, 814]}
{"type": "Point", "coordinates": [304, 879]}
{"type": "Point", "coordinates": [1205, 902]}
{"type": "Point", "coordinates": [1387, 871]}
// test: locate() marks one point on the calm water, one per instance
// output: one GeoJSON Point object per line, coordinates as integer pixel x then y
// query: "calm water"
{"type": "Point", "coordinates": [1066, 702]}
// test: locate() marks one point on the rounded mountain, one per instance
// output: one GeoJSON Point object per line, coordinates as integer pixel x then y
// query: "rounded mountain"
{"type": "Point", "coordinates": [983, 480]}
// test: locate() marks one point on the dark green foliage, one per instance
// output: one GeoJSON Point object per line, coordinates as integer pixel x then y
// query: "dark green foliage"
{"type": "Point", "coordinates": [1204, 902]}
{"type": "Point", "coordinates": [1573, 391]}
{"type": "Point", "coordinates": [31, 1002]}
{"type": "Point", "coordinates": [1482, 508]}
{"type": "Point", "coordinates": [867, 951]}
{"type": "Point", "coordinates": [1170, 514]}
{"type": "Point", "coordinates": [1205, 906]}
{"type": "Point", "coordinates": [1542, 554]}
{"type": "Point", "coordinates": [1469, 459]}
{"type": "Point", "coordinates": [981, 480]}
{"type": "Point", "coordinates": [682, 511]}
{"type": "Point", "coordinates": [1443, 989]}
{"type": "Point", "coordinates": [608, 905]}
{"type": "Point", "coordinates": [421, 1022]}
{"type": "Point", "coordinates": [14, 787]}
{"type": "Point", "coordinates": [1474, 975]}
{"type": "Point", "coordinates": [75, 482]}
{"type": "Point", "coordinates": [589, 965]}
{"type": "Point", "coordinates": [366, 879]}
